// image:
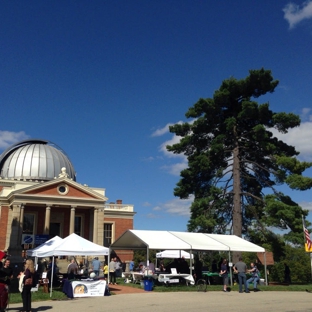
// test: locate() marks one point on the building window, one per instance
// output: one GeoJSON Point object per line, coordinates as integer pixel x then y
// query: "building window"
{"type": "Point", "coordinates": [29, 223]}
{"type": "Point", "coordinates": [78, 225]}
{"type": "Point", "coordinates": [62, 189]}
{"type": "Point", "coordinates": [108, 234]}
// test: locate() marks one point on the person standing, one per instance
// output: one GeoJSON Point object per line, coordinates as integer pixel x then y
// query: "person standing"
{"type": "Point", "coordinates": [224, 274]}
{"type": "Point", "coordinates": [96, 265]}
{"type": "Point", "coordinates": [131, 265]}
{"type": "Point", "coordinates": [105, 271]}
{"type": "Point", "coordinates": [111, 268]}
{"type": "Point", "coordinates": [241, 268]}
{"type": "Point", "coordinates": [29, 273]}
{"type": "Point", "coordinates": [8, 272]}
{"type": "Point", "coordinates": [118, 267]}
{"type": "Point", "coordinates": [72, 267]}
{"type": "Point", "coordinates": [287, 273]}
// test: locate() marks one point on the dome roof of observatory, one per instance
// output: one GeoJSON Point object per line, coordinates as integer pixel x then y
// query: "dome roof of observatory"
{"type": "Point", "coordinates": [34, 160]}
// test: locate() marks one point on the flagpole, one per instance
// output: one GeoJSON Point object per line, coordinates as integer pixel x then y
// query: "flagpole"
{"type": "Point", "coordinates": [311, 263]}
{"type": "Point", "coordinates": [304, 236]}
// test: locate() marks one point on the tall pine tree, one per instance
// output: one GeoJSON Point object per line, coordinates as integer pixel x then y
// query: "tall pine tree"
{"type": "Point", "coordinates": [234, 159]}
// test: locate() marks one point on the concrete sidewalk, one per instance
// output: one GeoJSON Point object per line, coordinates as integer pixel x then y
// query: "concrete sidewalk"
{"type": "Point", "coordinates": [264, 301]}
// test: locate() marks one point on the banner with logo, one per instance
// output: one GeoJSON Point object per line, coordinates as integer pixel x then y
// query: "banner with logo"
{"type": "Point", "coordinates": [88, 288]}
{"type": "Point", "coordinates": [28, 239]}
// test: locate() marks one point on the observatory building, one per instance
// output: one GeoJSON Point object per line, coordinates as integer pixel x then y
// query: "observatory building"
{"type": "Point", "coordinates": [40, 198]}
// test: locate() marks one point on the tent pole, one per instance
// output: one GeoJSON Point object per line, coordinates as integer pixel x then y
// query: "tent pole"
{"type": "Point", "coordinates": [265, 270]}
{"type": "Point", "coordinates": [108, 260]}
{"type": "Point", "coordinates": [52, 273]}
{"type": "Point", "coordinates": [231, 276]}
{"type": "Point", "coordinates": [191, 262]}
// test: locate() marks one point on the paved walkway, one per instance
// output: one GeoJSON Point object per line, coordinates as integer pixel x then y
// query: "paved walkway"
{"type": "Point", "coordinates": [282, 301]}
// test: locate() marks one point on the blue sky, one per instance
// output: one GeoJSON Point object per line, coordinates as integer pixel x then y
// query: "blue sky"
{"type": "Point", "coordinates": [104, 79]}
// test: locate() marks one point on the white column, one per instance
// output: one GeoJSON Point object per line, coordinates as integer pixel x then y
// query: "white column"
{"type": "Point", "coordinates": [95, 225]}
{"type": "Point", "coordinates": [72, 220]}
{"type": "Point", "coordinates": [46, 229]}
{"type": "Point", "coordinates": [22, 218]}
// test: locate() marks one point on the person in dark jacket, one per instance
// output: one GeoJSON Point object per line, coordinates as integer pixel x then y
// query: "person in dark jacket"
{"type": "Point", "coordinates": [26, 293]}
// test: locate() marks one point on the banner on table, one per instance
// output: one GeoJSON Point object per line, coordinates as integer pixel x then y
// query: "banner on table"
{"type": "Point", "coordinates": [88, 288]}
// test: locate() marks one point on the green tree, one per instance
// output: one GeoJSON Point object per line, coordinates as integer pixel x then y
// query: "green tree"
{"type": "Point", "coordinates": [234, 159]}
{"type": "Point", "coordinates": [299, 263]}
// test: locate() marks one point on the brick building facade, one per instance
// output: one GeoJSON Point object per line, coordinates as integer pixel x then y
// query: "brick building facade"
{"type": "Point", "coordinates": [40, 198]}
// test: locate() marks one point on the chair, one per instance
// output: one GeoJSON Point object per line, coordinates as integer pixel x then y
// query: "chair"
{"type": "Point", "coordinates": [44, 282]}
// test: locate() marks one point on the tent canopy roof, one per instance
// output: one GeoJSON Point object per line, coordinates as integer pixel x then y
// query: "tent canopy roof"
{"type": "Point", "coordinates": [72, 245]}
{"type": "Point", "coordinates": [140, 239]}
{"type": "Point", "coordinates": [44, 248]}
{"type": "Point", "coordinates": [236, 243]}
{"type": "Point", "coordinates": [201, 241]}
{"type": "Point", "coordinates": [159, 240]}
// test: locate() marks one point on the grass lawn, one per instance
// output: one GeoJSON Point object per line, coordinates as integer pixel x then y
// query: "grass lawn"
{"type": "Point", "coordinates": [171, 288]}
{"type": "Point", "coordinates": [58, 294]}
{"type": "Point", "coordinates": [39, 295]}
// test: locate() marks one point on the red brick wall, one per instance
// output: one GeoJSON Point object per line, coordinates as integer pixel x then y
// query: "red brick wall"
{"type": "Point", "coordinates": [122, 225]}
{"type": "Point", "coordinates": [3, 225]}
{"type": "Point", "coordinates": [52, 190]}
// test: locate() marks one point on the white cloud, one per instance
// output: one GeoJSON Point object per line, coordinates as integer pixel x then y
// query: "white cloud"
{"type": "Point", "coordinates": [149, 159]}
{"type": "Point", "coordinates": [305, 114]}
{"type": "Point", "coordinates": [146, 204]}
{"type": "Point", "coordinates": [175, 169]}
{"type": "Point", "coordinates": [176, 206]}
{"type": "Point", "coordinates": [152, 216]}
{"type": "Point", "coordinates": [157, 208]}
{"type": "Point", "coordinates": [163, 147]}
{"type": "Point", "coordinates": [162, 131]}
{"type": "Point", "coordinates": [8, 138]}
{"type": "Point", "coordinates": [300, 138]}
{"type": "Point", "coordinates": [306, 205]}
{"type": "Point", "coordinates": [294, 13]}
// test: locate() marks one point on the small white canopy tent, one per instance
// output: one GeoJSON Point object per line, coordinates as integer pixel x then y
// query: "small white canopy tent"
{"type": "Point", "coordinates": [41, 250]}
{"type": "Point", "coordinates": [173, 254]}
{"type": "Point", "coordinates": [74, 245]}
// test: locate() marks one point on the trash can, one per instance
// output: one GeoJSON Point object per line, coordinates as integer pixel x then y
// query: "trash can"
{"type": "Point", "coordinates": [148, 285]}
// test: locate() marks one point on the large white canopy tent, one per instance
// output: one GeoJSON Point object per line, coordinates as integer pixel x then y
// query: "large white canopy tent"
{"type": "Point", "coordinates": [143, 239]}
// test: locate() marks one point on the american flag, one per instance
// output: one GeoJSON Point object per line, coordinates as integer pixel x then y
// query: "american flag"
{"type": "Point", "coordinates": [307, 236]}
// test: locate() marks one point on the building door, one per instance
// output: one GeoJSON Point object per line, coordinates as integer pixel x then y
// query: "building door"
{"type": "Point", "coordinates": [55, 229]}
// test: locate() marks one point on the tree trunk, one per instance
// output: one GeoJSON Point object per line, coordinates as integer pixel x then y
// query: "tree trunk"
{"type": "Point", "coordinates": [237, 206]}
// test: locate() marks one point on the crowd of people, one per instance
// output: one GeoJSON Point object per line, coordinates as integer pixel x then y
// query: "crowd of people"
{"type": "Point", "coordinates": [244, 276]}
{"type": "Point", "coordinates": [27, 279]}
